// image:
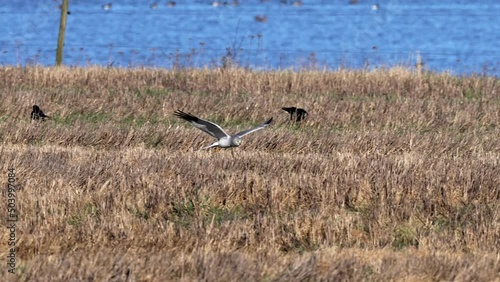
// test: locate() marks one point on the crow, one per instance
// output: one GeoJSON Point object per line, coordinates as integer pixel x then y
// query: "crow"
{"type": "Point", "coordinates": [300, 114]}
{"type": "Point", "coordinates": [36, 114]}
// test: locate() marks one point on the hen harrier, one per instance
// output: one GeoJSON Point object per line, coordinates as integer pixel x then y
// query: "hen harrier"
{"type": "Point", "coordinates": [300, 113]}
{"type": "Point", "coordinates": [224, 140]}
{"type": "Point", "coordinates": [36, 114]}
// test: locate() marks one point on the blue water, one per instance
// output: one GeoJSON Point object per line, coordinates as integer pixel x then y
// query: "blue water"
{"type": "Point", "coordinates": [450, 35]}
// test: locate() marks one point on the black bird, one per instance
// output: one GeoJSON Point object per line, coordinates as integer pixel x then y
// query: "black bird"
{"type": "Point", "coordinates": [36, 114]}
{"type": "Point", "coordinates": [299, 113]}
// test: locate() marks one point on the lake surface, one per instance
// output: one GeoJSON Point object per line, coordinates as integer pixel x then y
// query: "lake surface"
{"type": "Point", "coordinates": [450, 35]}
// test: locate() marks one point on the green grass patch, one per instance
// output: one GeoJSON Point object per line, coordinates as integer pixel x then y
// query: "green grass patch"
{"type": "Point", "coordinates": [404, 237]}
{"type": "Point", "coordinates": [139, 121]}
{"type": "Point", "coordinates": [152, 92]}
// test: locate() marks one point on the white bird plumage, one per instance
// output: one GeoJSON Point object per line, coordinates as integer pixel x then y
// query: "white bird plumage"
{"type": "Point", "coordinates": [224, 140]}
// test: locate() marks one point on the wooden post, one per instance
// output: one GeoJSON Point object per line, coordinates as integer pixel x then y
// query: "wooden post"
{"type": "Point", "coordinates": [62, 30]}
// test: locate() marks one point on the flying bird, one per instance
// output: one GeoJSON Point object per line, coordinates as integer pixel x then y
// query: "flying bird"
{"type": "Point", "coordinates": [224, 140]}
{"type": "Point", "coordinates": [300, 114]}
{"type": "Point", "coordinates": [107, 7]}
{"type": "Point", "coordinates": [36, 114]}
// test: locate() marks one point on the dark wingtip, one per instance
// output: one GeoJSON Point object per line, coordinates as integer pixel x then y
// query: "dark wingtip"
{"type": "Point", "coordinates": [269, 121]}
{"type": "Point", "coordinates": [185, 116]}
{"type": "Point", "coordinates": [179, 113]}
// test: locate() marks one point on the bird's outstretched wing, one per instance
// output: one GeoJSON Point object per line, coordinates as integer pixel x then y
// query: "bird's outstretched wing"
{"type": "Point", "coordinates": [205, 125]}
{"type": "Point", "coordinates": [262, 126]}
{"type": "Point", "coordinates": [290, 110]}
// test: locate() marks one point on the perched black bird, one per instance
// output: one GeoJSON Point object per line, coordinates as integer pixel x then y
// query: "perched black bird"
{"type": "Point", "coordinates": [300, 114]}
{"type": "Point", "coordinates": [36, 114]}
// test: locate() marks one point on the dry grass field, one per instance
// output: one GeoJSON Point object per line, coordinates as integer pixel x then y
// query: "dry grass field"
{"type": "Point", "coordinates": [394, 176]}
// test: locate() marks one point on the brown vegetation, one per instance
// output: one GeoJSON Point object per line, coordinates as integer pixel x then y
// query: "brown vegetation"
{"type": "Point", "coordinates": [393, 176]}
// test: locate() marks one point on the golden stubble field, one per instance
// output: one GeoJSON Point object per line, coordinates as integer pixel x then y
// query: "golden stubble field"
{"type": "Point", "coordinates": [394, 176]}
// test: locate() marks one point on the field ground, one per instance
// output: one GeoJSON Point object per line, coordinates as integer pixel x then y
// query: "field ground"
{"type": "Point", "coordinates": [394, 176]}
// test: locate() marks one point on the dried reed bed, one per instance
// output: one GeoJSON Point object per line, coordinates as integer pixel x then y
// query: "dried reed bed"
{"type": "Point", "coordinates": [394, 176]}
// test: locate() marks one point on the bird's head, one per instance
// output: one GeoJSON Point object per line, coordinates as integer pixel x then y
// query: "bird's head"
{"type": "Point", "coordinates": [237, 141]}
